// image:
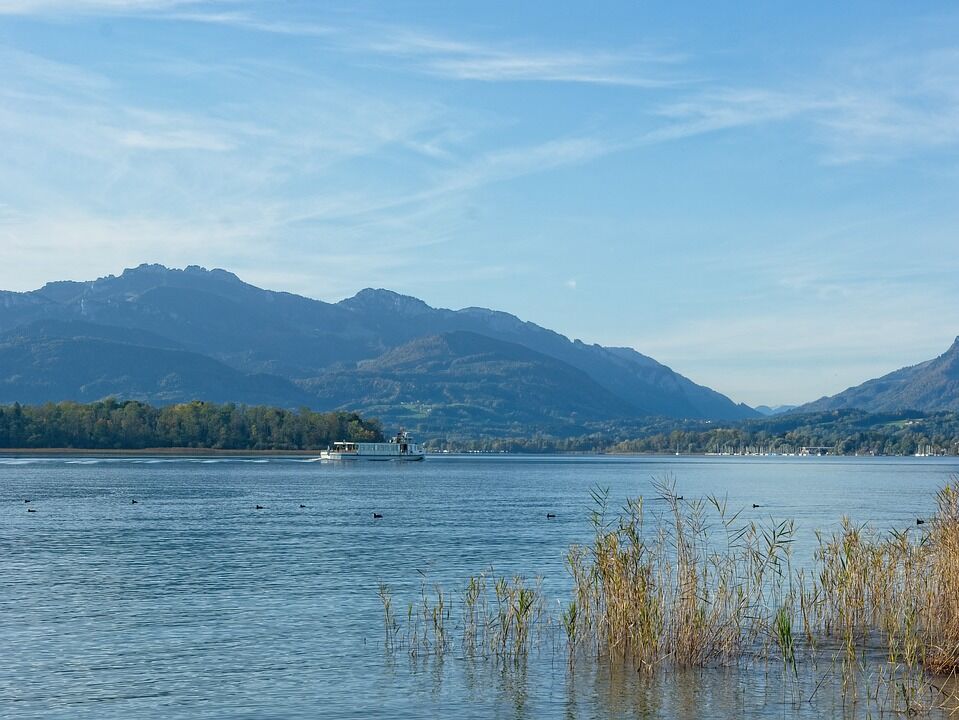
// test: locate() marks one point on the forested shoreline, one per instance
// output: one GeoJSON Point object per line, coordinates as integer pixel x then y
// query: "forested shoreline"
{"type": "Point", "coordinates": [132, 425]}
{"type": "Point", "coordinates": [839, 432]}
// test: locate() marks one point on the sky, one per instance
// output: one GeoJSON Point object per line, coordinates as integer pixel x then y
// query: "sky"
{"type": "Point", "coordinates": [763, 196]}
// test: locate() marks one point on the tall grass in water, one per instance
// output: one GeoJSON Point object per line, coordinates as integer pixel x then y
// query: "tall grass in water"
{"type": "Point", "coordinates": [939, 614]}
{"type": "Point", "coordinates": [390, 625]}
{"type": "Point", "coordinates": [693, 584]}
{"type": "Point", "coordinates": [697, 588]}
{"type": "Point", "coordinates": [897, 590]}
{"type": "Point", "coordinates": [498, 616]}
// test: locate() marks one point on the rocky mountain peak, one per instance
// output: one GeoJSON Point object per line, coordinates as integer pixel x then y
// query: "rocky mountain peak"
{"type": "Point", "coordinates": [386, 301]}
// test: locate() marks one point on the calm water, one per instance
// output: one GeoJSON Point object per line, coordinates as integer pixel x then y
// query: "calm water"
{"type": "Point", "coordinates": [193, 604]}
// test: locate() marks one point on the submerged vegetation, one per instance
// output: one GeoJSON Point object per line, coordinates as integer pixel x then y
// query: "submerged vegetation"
{"type": "Point", "coordinates": [693, 585]}
{"type": "Point", "coordinates": [498, 616]}
{"type": "Point", "coordinates": [111, 424]}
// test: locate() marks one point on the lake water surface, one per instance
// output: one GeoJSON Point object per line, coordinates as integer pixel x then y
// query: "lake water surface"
{"type": "Point", "coordinates": [191, 603]}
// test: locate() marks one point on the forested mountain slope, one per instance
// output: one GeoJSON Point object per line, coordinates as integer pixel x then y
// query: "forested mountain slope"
{"type": "Point", "coordinates": [165, 335]}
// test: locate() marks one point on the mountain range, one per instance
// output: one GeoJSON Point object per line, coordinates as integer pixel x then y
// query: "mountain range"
{"type": "Point", "coordinates": [165, 335]}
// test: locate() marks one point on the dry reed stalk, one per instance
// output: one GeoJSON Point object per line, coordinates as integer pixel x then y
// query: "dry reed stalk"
{"type": "Point", "coordinates": [671, 596]}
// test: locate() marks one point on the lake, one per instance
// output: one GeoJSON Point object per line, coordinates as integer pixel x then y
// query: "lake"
{"type": "Point", "coordinates": [191, 603]}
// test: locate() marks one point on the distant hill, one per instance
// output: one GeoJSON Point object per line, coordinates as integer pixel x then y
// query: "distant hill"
{"type": "Point", "coordinates": [929, 387]}
{"type": "Point", "coordinates": [41, 369]}
{"type": "Point", "coordinates": [778, 410]}
{"type": "Point", "coordinates": [442, 381]}
{"type": "Point", "coordinates": [164, 335]}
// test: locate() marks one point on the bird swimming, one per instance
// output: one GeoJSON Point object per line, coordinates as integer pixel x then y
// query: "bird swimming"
{"type": "Point", "coordinates": [302, 505]}
{"type": "Point", "coordinates": [550, 516]}
{"type": "Point", "coordinates": [133, 502]}
{"type": "Point", "coordinates": [30, 510]}
{"type": "Point", "coordinates": [920, 521]}
{"type": "Point", "coordinates": [259, 507]}
{"type": "Point", "coordinates": [755, 505]}
{"type": "Point", "coordinates": [377, 516]}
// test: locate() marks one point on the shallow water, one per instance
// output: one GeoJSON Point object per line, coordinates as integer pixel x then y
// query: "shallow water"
{"type": "Point", "coordinates": [191, 603]}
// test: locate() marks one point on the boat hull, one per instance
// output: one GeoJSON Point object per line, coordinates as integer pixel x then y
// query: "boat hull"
{"type": "Point", "coordinates": [351, 457]}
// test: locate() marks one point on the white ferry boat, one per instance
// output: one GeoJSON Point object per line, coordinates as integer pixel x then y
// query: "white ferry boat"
{"type": "Point", "coordinates": [400, 447]}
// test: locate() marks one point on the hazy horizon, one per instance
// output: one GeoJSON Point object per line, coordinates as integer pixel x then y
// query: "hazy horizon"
{"type": "Point", "coordinates": [760, 198]}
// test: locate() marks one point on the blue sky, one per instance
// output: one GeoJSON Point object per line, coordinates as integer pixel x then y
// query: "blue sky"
{"type": "Point", "coordinates": [763, 197]}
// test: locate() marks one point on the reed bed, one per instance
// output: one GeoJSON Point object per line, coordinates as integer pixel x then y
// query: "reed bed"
{"type": "Point", "coordinates": [898, 592]}
{"type": "Point", "coordinates": [692, 584]}
{"type": "Point", "coordinates": [697, 588]}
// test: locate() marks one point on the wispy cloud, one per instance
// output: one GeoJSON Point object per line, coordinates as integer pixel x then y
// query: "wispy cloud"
{"type": "Point", "coordinates": [96, 127]}
{"type": "Point", "coordinates": [876, 106]}
{"type": "Point", "coordinates": [94, 241]}
{"type": "Point", "coordinates": [462, 60]}
{"type": "Point", "coordinates": [34, 74]}
{"type": "Point", "coordinates": [234, 185]}
{"type": "Point", "coordinates": [885, 109]}
{"type": "Point", "coordinates": [716, 109]}
{"type": "Point", "coordinates": [173, 140]}
{"type": "Point", "coordinates": [481, 169]}
{"type": "Point", "coordinates": [36, 7]}
{"type": "Point", "coordinates": [428, 53]}
{"type": "Point", "coordinates": [416, 50]}
{"type": "Point", "coordinates": [248, 21]}
{"type": "Point", "coordinates": [902, 105]}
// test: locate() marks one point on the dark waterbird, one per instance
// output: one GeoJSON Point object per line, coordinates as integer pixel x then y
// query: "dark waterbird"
{"type": "Point", "coordinates": [755, 505]}
{"type": "Point", "coordinates": [259, 507]}
{"type": "Point", "coordinates": [920, 521]}
{"type": "Point", "coordinates": [133, 502]}
{"type": "Point", "coordinates": [26, 501]}
{"type": "Point", "coordinates": [30, 510]}
{"type": "Point", "coordinates": [377, 516]}
{"type": "Point", "coordinates": [302, 505]}
{"type": "Point", "coordinates": [550, 516]}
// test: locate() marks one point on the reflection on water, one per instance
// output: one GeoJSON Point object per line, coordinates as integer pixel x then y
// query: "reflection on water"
{"type": "Point", "coordinates": [540, 686]}
{"type": "Point", "coordinates": [193, 604]}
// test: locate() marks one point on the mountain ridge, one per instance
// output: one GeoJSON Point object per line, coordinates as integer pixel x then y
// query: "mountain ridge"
{"type": "Point", "coordinates": [306, 343]}
{"type": "Point", "coordinates": [929, 386]}
{"type": "Point", "coordinates": [432, 379]}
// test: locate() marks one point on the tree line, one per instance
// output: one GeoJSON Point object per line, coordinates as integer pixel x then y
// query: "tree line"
{"type": "Point", "coordinates": [132, 425]}
{"type": "Point", "coordinates": [841, 432]}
